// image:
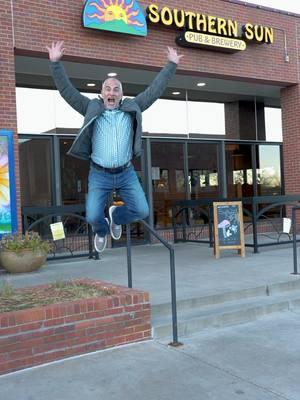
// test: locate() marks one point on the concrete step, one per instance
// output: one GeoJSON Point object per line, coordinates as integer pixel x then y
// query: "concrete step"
{"type": "Point", "coordinates": [219, 298]}
{"type": "Point", "coordinates": [225, 309]}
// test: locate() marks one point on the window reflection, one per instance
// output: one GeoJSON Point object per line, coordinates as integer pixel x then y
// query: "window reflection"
{"type": "Point", "coordinates": [35, 172]}
{"type": "Point", "coordinates": [74, 175]}
{"type": "Point", "coordinates": [167, 180]}
{"type": "Point", "coordinates": [268, 170]}
{"type": "Point", "coordinates": [203, 170]}
{"type": "Point", "coordinates": [239, 170]}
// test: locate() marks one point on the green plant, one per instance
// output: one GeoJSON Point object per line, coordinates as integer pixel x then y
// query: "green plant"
{"type": "Point", "coordinates": [6, 290]}
{"type": "Point", "coordinates": [18, 242]}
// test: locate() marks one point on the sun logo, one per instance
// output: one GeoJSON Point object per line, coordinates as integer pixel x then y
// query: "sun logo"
{"type": "Point", "coordinates": [124, 16]}
{"type": "Point", "coordinates": [4, 181]}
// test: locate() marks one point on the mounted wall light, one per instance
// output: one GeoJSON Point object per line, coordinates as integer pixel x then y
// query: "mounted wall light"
{"type": "Point", "coordinates": [112, 74]}
{"type": "Point", "coordinates": [175, 93]}
{"type": "Point", "coordinates": [91, 84]}
{"type": "Point", "coordinates": [201, 84]}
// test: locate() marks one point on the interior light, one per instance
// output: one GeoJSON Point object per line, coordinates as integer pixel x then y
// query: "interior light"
{"type": "Point", "coordinates": [91, 84]}
{"type": "Point", "coordinates": [112, 74]}
{"type": "Point", "coordinates": [200, 84]}
{"type": "Point", "coordinates": [176, 93]}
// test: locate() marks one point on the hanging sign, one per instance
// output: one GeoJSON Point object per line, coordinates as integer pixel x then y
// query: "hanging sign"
{"type": "Point", "coordinates": [124, 16]}
{"type": "Point", "coordinates": [208, 31]}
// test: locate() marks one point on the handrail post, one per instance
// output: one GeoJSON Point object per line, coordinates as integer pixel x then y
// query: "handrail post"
{"type": "Point", "coordinates": [294, 209]}
{"type": "Point", "coordinates": [128, 245]}
{"type": "Point", "coordinates": [92, 254]}
{"type": "Point", "coordinates": [173, 299]}
{"type": "Point", "coordinates": [174, 224]}
{"type": "Point", "coordinates": [254, 225]}
{"type": "Point", "coordinates": [210, 228]}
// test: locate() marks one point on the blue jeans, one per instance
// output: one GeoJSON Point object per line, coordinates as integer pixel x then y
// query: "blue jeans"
{"type": "Point", "coordinates": [101, 184]}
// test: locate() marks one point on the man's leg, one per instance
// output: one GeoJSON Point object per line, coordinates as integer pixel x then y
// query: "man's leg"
{"type": "Point", "coordinates": [131, 192]}
{"type": "Point", "coordinates": [100, 185]}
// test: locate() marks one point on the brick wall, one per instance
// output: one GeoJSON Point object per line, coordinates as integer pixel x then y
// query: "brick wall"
{"type": "Point", "coordinates": [290, 103]}
{"type": "Point", "coordinates": [43, 334]}
{"type": "Point", "coordinates": [8, 119]}
{"type": "Point", "coordinates": [39, 22]}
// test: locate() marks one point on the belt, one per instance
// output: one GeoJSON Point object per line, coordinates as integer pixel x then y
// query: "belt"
{"type": "Point", "coordinates": [111, 170]}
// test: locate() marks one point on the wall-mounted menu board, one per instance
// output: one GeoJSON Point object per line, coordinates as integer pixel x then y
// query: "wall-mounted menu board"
{"type": "Point", "coordinates": [228, 227]}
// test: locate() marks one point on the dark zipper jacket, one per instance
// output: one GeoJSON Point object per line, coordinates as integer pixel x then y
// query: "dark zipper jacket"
{"type": "Point", "coordinates": [92, 109]}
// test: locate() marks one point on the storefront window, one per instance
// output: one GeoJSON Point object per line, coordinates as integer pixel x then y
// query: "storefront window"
{"type": "Point", "coordinates": [273, 121]}
{"type": "Point", "coordinates": [45, 111]}
{"type": "Point", "coordinates": [203, 170]}
{"type": "Point", "coordinates": [35, 171]}
{"type": "Point", "coordinates": [74, 175]}
{"type": "Point", "coordinates": [206, 118]}
{"type": "Point", "coordinates": [203, 176]}
{"type": "Point", "coordinates": [239, 170]}
{"type": "Point", "coordinates": [168, 182]}
{"type": "Point", "coordinates": [268, 171]}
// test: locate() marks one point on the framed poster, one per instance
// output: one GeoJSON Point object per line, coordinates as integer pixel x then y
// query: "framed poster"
{"type": "Point", "coordinates": [8, 206]}
{"type": "Point", "coordinates": [228, 227]}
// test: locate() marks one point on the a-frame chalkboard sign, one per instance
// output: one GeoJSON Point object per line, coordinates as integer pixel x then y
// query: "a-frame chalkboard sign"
{"type": "Point", "coordinates": [228, 227]}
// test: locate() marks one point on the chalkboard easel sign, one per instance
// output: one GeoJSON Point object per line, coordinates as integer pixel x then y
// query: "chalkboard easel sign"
{"type": "Point", "coordinates": [228, 227]}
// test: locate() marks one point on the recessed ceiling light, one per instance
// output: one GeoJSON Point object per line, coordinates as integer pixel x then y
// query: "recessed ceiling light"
{"type": "Point", "coordinates": [176, 93]}
{"type": "Point", "coordinates": [91, 84]}
{"type": "Point", "coordinates": [112, 74]}
{"type": "Point", "coordinates": [200, 84]}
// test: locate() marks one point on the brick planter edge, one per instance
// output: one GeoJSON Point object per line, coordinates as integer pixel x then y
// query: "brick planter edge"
{"type": "Point", "coordinates": [43, 334]}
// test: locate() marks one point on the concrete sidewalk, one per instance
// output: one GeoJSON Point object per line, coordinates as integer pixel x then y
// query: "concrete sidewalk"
{"type": "Point", "coordinates": [258, 360]}
{"type": "Point", "coordinates": [198, 273]}
{"type": "Point", "coordinates": [254, 361]}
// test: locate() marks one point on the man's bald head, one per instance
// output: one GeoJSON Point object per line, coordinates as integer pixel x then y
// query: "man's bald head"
{"type": "Point", "coordinates": [111, 93]}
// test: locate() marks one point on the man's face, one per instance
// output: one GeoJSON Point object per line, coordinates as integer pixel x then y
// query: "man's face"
{"type": "Point", "coordinates": [111, 93]}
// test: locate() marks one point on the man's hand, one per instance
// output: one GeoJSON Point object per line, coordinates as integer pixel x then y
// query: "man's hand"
{"type": "Point", "coordinates": [56, 51]}
{"type": "Point", "coordinates": [173, 56]}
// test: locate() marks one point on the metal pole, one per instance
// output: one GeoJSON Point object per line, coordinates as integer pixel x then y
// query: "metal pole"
{"type": "Point", "coordinates": [129, 270]}
{"type": "Point", "coordinates": [173, 299]}
{"type": "Point", "coordinates": [294, 241]}
{"type": "Point", "coordinates": [210, 229]}
{"type": "Point", "coordinates": [254, 226]}
{"type": "Point", "coordinates": [92, 254]}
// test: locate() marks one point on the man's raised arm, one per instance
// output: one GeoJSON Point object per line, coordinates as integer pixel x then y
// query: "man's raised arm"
{"type": "Point", "coordinates": [72, 96]}
{"type": "Point", "coordinates": [158, 86]}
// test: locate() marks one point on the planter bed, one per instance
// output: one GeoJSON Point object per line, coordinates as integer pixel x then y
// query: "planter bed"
{"type": "Point", "coordinates": [46, 333]}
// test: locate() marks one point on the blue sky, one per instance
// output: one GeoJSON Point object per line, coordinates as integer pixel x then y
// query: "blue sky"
{"type": "Point", "coordinates": [287, 5]}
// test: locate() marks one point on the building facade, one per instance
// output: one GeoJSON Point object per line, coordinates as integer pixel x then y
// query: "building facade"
{"type": "Point", "coordinates": [247, 57]}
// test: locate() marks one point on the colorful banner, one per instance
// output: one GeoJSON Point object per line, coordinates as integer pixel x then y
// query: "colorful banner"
{"type": "Point", "coordinates": [8, 207]}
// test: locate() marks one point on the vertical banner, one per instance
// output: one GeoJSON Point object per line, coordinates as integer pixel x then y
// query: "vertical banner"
{"type": "Point", "coordinates": [8, 206]}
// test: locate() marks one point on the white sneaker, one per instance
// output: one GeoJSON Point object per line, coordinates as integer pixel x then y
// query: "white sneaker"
{"type": "Point", "coordinates": [100, 242]}
{"type": "Point", "coordinates": [115, 230]}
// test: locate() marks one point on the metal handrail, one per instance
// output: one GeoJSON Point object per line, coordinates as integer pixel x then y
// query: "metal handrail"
{"type": "Point", "coordinates": [74, 210]}
{"type": "Point", "coordinates": [172, 275]}
{"type": "Point", "coordinates": [271, 201]}
{"type": "Point", "coordinates": [294, 209]}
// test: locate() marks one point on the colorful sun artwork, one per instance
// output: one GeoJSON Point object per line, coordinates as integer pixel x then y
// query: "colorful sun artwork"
{"type": "Point", "coordinates": [123, 16]}
{"type": "Point", "coordinates": [5, 212]}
